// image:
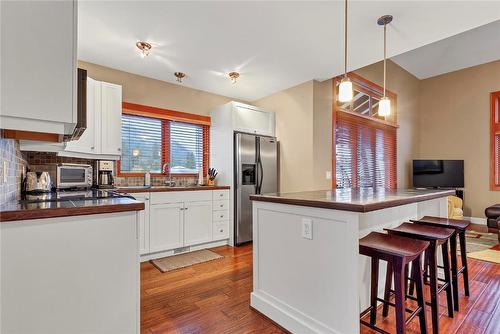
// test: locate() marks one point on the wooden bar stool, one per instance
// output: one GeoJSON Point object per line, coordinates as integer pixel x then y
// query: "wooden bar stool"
{"type": "Point", "coordinates": [459, 226]}
{"type": "Point", "coordinates": [398, 252]}
{"type": "Point", "coordinates": [436, 236]}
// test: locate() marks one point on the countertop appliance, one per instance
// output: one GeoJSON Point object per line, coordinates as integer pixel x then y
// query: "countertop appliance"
{"type": "Point", "coordinates": [38, 182]}
{"type": "Point", "coordinates": [256, 172]}
{"type": "Point", "coordinates": [105, 174]}
{"type": "Point", "coordinates": [73, 176]}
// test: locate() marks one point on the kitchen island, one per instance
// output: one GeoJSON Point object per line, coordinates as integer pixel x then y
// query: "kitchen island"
{"type": "Point", "coordinates": [308, 274]}
{"type": "Point", "coordinates": [70, 266]}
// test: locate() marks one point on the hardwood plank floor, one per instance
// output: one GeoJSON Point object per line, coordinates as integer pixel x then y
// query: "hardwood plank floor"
{"type": "Point", "coordinates": [214, 297]}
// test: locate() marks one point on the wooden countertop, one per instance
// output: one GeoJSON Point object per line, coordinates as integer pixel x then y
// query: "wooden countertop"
{"type": "Point", "coordinates": [19, 210]}
{"type": "Point", "coordinates": [356, 200]}
{"type": "Point", "coordinates": [144, 189]}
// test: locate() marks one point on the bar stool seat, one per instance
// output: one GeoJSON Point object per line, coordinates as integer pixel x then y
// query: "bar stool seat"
{"type": "Point", "coordinates": [436, 236]}
{"type": "Point", "coordinates": [460, 227]}
{"type": "Point", "coordinates": [398, 252]}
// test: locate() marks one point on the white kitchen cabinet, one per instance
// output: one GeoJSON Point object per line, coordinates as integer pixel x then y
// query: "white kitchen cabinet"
{"type": "Point", "coordinates": [166, 226]}
{"type": "Point", "coordinates": [111, 119]}
{"type": "Point", "coordinates": [251, 119]}
{"type": "Point", "coordinates": [39, 79]}
{"type": "Point", "coordinates": [197, 222]}
{"type": "Point", "coordinates": [103, 138]}
{"type": "Point", "coordinates": [143, 223]}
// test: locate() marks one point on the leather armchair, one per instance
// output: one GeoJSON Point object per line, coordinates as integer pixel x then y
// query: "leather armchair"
{"type": "Point", "coordinates": [493, 215]}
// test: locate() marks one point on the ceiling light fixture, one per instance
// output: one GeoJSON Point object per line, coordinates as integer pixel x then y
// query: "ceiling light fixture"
{"type": "Point", "coordinates": [345, 87]}
{"type": "Point", "coordinates": [179, 76]}
{"type": "Point", "coordinates": [233, 76]}
{"type": "Point", "coordinates": [144, 47]}
{"type": "Point", "coordinates": [384, 106]}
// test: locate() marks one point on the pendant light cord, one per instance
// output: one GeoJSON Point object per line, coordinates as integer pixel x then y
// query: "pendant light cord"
{"type": "Point", "coordinates": [385, 53]}
{"type": "Point", "coordinates": [345, 39]}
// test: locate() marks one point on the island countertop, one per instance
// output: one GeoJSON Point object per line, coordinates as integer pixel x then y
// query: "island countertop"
{"type": "Point", "coordinates": [356, 200]}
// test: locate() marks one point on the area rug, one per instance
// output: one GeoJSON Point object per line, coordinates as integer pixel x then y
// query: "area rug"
{"type": "Point", "coordinates": [483, 246]}
{"type": "Point", "coordinates": [185, 260]}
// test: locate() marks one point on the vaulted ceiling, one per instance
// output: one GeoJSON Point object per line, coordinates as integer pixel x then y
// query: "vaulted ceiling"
{"type": "Point", "coordinates": [274, 45]}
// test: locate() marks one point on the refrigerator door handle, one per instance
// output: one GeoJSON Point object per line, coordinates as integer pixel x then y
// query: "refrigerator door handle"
{"type": "Point", "coordinates": [261, 177]}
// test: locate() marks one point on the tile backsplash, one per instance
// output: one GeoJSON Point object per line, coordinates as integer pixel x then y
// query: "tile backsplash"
{"type": "Point", "coordinates": [16, 164]}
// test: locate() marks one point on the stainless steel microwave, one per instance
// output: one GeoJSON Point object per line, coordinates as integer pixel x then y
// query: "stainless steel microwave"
{"type": "Point", "coordinates": [74, 176]}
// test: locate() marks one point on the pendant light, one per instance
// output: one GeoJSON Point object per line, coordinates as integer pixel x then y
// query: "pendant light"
{"type": "Point", "coordinates": [345, 87]}
{"type": "Point", "coordinates": [384, 106]}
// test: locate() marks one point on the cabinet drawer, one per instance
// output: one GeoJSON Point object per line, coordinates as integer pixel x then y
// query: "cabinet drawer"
{"type": "Point", "coordinates": [220, 194]}
{"type": "Point", "coordinates": [221, 205]}
{"type": "Point", "coordinates": [180, 196]}
{"type": "Point", "coordinates": [220, 231]}
{"type": "Point", "coordinates": [220, 215]}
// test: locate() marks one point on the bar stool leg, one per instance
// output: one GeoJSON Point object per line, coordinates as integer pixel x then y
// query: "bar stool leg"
{"type": "Point", "coordinates": [419, 283]}
{"type": "Point", "coordinates": [374, 291]}
{"type": "Point", "coordinates": [447, 276]}
{"type": "Point", "coordinates": [433, 287]}
{"type": "Point", "coordinates": [387, 292]}
{"type": "Point", "coordinates": [463, 255]}
{"type": "Point", "coordinates": [454, 269]}
{"type": "Point", "coordinates": [399, 279]}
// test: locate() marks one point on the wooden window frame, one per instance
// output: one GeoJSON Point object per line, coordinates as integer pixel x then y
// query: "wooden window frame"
{"type": "Point", "coordinates": [168, 115]}
{"type": "Point", "coordinates": [373, 90]}
{"type": "Point", "coordinates": [494, 131]}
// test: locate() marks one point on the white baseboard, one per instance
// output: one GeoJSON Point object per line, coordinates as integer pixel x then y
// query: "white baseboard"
{"type": "Point", "coordinates": [159, 255]}
{"type": "Point", "coordinates": [286, 316]}
{"type": "Point", "coordinates": [477, 220]}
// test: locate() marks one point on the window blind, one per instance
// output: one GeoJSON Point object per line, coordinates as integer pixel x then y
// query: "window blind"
{"type": "Point", "coordinates": [186, 148]}
{"type": "Point", "coordinates": [365, 153]}
{"type": "Point", "coordinates": [141, 144]}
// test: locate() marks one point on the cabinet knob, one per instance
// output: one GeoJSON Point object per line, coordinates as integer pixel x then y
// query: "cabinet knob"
{"type": "Point", "coordinates": [92, 148]}
{"type": "Point", "coordinates": [221, 231]}
{"type": "Point", "coordinates": [118, 149]}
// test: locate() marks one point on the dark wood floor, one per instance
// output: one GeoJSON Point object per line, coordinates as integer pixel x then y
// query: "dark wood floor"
{"type": "Point", "coordinates": [214, 298]}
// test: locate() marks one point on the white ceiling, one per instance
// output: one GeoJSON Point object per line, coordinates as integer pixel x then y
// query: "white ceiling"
{"type": "Point", "coordinates": [470, 48]}
{"type": "Point", "coordinates": [274, 45]}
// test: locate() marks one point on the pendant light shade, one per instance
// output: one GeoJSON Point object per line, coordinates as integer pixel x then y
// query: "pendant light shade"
{"type": "Point", "coordinates": [345, 90]}
{"type": "Point", "coordinates": [384, 106]}
{"type": "Point", "coordinates": [345, 87]}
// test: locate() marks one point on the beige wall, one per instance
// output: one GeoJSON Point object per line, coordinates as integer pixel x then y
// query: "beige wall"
{"type": "Point", "coordinates": [294, 129]}
{"type": "Point", "coordinates": [156, 93]}
{"type": "Point", "coordinates": [454, 124]}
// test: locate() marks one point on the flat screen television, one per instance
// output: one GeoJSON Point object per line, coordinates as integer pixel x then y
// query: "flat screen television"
{"type": "Point", "coordinates": [438, 173]}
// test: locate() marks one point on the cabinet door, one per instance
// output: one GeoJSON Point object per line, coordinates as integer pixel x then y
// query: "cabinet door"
{"type": "Point", "coordinates": [87, 141]}
{"type": "Point", "coordinates": [166, 228]}
{"type": "Point", "coordinates": [254, 121]}
{"type": "Point", "coordinates": [38, 81]}
{"type": "Point", "coordinates": [111, 118]}
{"type": "Point", "coordinates": [197, 222]}
{"type": "Point", "coordinates": [143, 223]}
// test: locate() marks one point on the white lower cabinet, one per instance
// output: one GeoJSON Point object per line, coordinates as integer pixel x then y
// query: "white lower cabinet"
{"type": "Point", "coordinates": [197, 222]}
{"type": "Point", "coordinates": [174, 220]}
{"type": "Point", "coordinates": [143, 221]}
{"type": "Point", "coordinates": [166, 226]}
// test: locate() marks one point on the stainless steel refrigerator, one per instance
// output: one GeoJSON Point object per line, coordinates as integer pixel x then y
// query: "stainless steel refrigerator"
{"type": "Point", "coordinates": [256, 172]}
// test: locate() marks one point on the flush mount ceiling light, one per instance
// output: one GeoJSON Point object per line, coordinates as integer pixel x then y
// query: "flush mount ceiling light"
{"type": "Point", "coordinates": [144, 48]}
{"type": "Point", "coordinates": [384, 106]}
{"type": "Point", "coordinates": [179, 76]}
{"type": "Point", "coordinates": [233, 76]}
{"type": "Point", "coordinates": [345, 87]}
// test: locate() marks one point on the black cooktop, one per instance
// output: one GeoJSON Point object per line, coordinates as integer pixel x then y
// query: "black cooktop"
{"type": "Point", "coordinates": [70, 195]}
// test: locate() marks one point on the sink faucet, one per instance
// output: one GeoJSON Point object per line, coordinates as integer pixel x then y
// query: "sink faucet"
{"type": "Point", "coordinates": [164, 169]}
